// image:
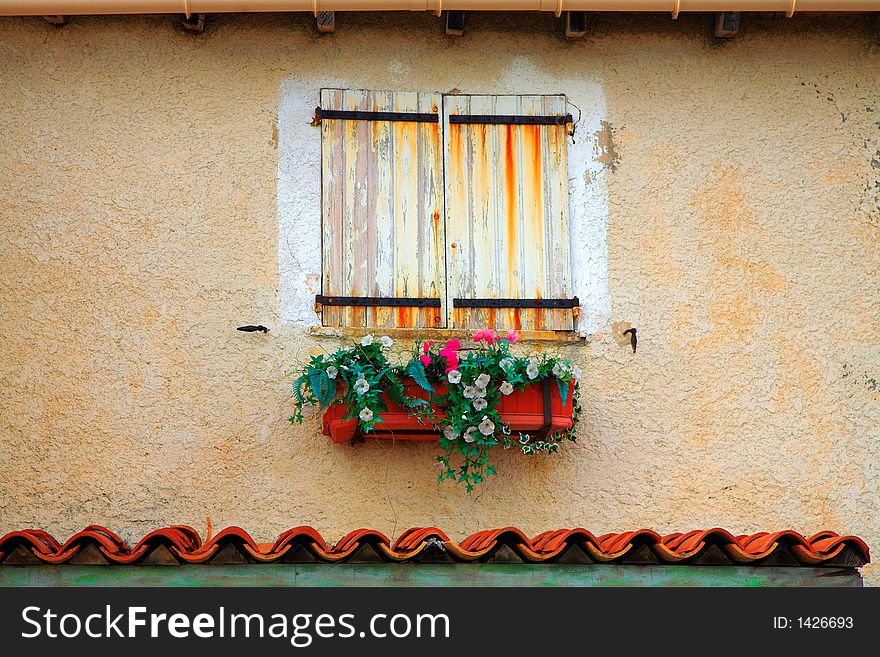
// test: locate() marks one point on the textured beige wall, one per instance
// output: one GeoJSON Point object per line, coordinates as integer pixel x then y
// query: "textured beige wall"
{"type": "Point", "coordinates": [139, 227]}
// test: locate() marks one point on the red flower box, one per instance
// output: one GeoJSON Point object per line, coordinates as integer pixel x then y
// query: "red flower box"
{"type": "Point", "coordinates": [538, 408]}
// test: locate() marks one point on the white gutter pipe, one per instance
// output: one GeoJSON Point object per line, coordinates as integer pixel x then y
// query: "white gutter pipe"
{"type": "Point", "coordinates": [94, 7]}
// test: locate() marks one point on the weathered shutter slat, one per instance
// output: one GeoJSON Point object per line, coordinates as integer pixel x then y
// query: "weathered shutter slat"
{"type": "Point", "coordinates": [507, 211]}
{"type": "Point", "coordinates": [383, 212]}
{"type": "Point", "coordinates": [334, 223]}
{"type": "Point", "coordinates": [382, 208]}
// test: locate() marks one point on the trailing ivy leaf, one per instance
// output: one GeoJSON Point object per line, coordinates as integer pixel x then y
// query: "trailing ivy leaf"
{"type": "Point", "coordinates": [563, 390]}
{"type": "Point", "coordinates": [417, 371]}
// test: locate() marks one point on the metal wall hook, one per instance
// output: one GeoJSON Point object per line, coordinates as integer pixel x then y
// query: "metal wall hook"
{"type": "Point", "coordinates": [250, 328]}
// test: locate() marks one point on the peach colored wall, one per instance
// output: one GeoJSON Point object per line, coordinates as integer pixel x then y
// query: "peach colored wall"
{"type": "Point", "coordinates": [140, 225]}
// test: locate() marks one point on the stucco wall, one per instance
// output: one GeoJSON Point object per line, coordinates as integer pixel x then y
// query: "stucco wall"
{"type": "Point", "coordinates": [140, 205]}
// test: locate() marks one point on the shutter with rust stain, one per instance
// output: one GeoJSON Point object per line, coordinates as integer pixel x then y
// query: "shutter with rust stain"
{"type": "Point", "coordinates": [382, 209]}
{"type": "Point", "coordinates": [507, 211]}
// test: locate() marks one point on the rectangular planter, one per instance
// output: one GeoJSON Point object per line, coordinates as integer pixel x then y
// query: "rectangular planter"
{"type": "Point", "coordinates": [538, 409]}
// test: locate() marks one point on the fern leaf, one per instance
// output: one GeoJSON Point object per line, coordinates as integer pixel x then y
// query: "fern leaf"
{"type": "Point", "coordinates": [417, 371]}
{"type": "Point", "coordinates": [315, 382]}
{"type": "Point", "coordinates": [395, 388]}
{"type": "Point", "coordinates": [322, 387]}
{"type": "Point", "coordinates": [297, 389]}
{"type": "Point", "coordinates": [329, 389]}
{"type": "Point", "coordinates": [563, 390]}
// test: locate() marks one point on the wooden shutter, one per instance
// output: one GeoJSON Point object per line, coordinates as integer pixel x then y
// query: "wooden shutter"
{"type": "Point", "coordinates": [382, 209]}
{"type": "Point", "coordinates": [507, 211]}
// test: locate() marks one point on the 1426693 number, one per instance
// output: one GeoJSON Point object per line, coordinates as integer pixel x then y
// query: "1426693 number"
{"type": "Point", "coordinates": [825, 622]}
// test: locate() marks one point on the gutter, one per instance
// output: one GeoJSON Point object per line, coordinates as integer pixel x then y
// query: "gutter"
{"type": "Point", "coordinates": [188, 7]}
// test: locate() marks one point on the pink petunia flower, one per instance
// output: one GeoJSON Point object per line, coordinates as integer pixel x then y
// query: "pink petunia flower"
{"type": "Point", "coordinates": [427, 346]}
{"type": "Point", "coordinates": [512, 336]}
{"type": "Point", "coordinates": [452, 362]}
{"type": "Point", "coordinates": [480, 335]}
{"type": "Point", "coordinates": [453, 344]}
{"type": "Point", "coordinates": [426, 360]}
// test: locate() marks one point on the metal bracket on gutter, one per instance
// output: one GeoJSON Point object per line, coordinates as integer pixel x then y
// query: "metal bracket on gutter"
{"type": "Point", "coordinates": [516, 303]}
{"type": "Point", "coordinates": [409, 302]}
{"type": "Point", "coordinates": [575, 24]}
{"type": "Point", "coordinates": [454, 23]}
{"type": "Point", "coordinates": [194, 22]}
{"type": "Point", "coordinates": [347, 115]}
{"type": "Point", "coordinates": [726, 24]}
{"type": "Point", "coordinates": [325, 22]}
{"type": "Point", "coordinates": [511, 119]}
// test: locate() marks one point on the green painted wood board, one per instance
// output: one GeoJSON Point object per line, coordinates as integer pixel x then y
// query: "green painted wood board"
{"type": "Point", "coordinates": [425, 575]}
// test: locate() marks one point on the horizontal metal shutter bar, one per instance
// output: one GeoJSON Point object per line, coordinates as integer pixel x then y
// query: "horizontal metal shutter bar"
{"type": "Point", "coordinates": [516, 303]}
{"type": "Point", "coordinates": [412, 117]}
{"type": "Point", "coordinates": [409, 302]}
{"type": "Point", "coordinates": [511, 119]}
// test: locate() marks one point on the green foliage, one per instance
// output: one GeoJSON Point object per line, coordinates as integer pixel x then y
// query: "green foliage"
{"type": "Point", "coordinates": [355, 377]}
{"type": "Point", "coordinates": [563, 390]}
{"type": "Point", "coordinates": [297, 388]}
{"type": "Point", "coordinates": [464, 411]}
{"type": "Point", "coordinates": [417, 371]}
{"type": "Point", "coordinates": [471, 423]}
{"type": "Point", "coordinates": [323, 389]}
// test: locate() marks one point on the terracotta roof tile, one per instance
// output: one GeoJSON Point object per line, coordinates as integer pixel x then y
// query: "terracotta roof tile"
{"type": "Point", "coordinates": [96, 544]}
{"type": "Point", "coordinates": [413, 539]}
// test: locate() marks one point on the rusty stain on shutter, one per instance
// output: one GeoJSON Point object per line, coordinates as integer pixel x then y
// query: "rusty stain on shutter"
{"type": "Point", "coordinates": [382, 209]}
{"type": "Point", "coordinates": [507, 211]}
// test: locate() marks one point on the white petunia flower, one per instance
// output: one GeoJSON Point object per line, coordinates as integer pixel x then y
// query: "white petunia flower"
{"type": "Point", "coordinates": [532, 369]}
{"type": "Point", "coordinates": [506, 388]}
{"type": "Point", "coordinates": [385, 341]}
{"type": "Point", "coordinates": [480, 404]}
{"type": "Point", "coordinates": [361, 386]}
{"type": "Point", "coordinates": [454, 376]}
{"type": "Point", "coordinates": [366, 340]}
{"type": "Point", "coordinates": [487, 427]}
{"type": "Point", "coordinates": [469, 434]}
{"type": "Point", "coordinates": [482, 380]}
{"type": "Point", "coordinates": [332, 372]}
{"type": "Point", "coordinates": [366, 414]}
{"type": "Point", "coordinates": [506, 363]}
{"type": "Point", "coordinates": [469, 392]}
{"type": "Point", "coordinates": [558, 371]}
{"type": "Point", "coordinates": [449, 432]}
{"type": "Point", "coordinates": [576, 371]}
